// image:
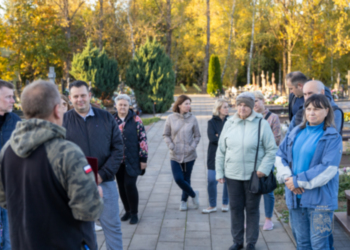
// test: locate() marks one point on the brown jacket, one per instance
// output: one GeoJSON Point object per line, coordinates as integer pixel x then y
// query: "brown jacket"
{"type": "Point", "coordinates": [181, 134]}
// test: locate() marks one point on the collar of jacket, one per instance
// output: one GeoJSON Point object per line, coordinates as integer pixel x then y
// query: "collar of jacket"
{"type": "Point", "coordinates": [329, 133]}
{"type": "Point", "coordinates": [253, 115]}
{"type": "Point", "coordinates": [130, 115]}
{"type": "Point", "coordinates": [184, 116]}
{"type": "Point", "coordinates": [216, 117]}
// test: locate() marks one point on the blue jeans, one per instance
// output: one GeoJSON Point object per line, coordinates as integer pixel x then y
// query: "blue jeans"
{"type": "Point", "coordinates": [5, 237]}
{"type": "Point", "coordinates": [212, 189]}
{"type": "Point", "coordinates": [109, 218]}
{"type": "Point", "coordinates": [312, 229]}
{"type": "Point", "coordinates": [269, 203]}
{"type": "Point", "coordinates": [182, 176]}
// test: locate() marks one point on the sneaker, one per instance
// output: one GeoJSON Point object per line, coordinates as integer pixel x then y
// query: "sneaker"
{"type": "Point", "coordinates": [126, 216]}
{"type": "Point", "coordinates": [268, 226]}
{"type": "Point", "coordinates": [134, 219]}
{"type": "Point", "coordinates": [183, 206]}
{"type": "Point", "coordinates": [209, 210]}
{"type": "Point", "coordinates": [195, 199]}
{"type": "Point", "coordinates": [98, 228]}
{"type": "Point", "coordinates": [224, 208]}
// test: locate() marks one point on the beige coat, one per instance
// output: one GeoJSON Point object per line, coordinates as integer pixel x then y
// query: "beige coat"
{"type": "Point", "coordinates": [181, 134]}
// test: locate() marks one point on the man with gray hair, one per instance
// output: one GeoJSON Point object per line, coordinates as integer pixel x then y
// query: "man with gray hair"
{"type": "Point", "coordinates": [317, 87]}
{"type": "Point", "coordinates": [47, 179]}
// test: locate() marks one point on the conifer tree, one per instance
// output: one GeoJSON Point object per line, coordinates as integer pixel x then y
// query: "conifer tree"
{"type": "Point", "coordinates": [151, 76]}
{"type": "Point", "coordinates": [93, 65]}
{"type": "Point", "coordinates": [214, 77]}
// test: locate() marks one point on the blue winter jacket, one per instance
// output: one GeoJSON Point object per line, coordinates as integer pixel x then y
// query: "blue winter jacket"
{"type": "Point", "coordinates": [321, 181]}
{"type": "Point", "coordinates": [8, 127]}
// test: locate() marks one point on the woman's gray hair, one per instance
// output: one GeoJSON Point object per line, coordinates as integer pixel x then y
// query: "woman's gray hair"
{"type": "Point", "coordinates": [122, 97]}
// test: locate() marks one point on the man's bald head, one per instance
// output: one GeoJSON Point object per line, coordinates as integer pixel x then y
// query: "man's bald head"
{"type": "Point", "coordinates": [39, 99]}
{"type": "Point", "coordinates": [313, 87]}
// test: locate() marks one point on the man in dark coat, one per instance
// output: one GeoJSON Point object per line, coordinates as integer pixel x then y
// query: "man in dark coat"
{"type": "Point", "coordinates": [295, 82]}
{"type": "Point", "coordinates": [8, 121]}
{"type": "Point", "coordinates": [96, 132]}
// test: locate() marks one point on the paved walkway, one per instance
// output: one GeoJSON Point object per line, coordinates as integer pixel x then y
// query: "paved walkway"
{"type": "Point", "coordinates": [163, 227]}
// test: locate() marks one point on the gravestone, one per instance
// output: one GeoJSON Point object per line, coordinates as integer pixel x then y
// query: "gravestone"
{"type": "Point", "coordinates": [263, 80]}
{"type": "Point", "coordinates": [257, 81]}
{"type": "Point", "coordinates": [273, 83]}
{"type": "Point", "coordinates": [27, 82]}
{"type": "Point", "coordinates": [280, 89]}
{"type": "Point", "coordinates": [267, 79]}
{"type": "Point", "coordinates": [52, 74]}
{"type": "Point", "coordinates": [338, 83]}
{"type": "Point", "coordinates": [253, 78]}
{"type": "Point", "coordinates": [348, 77]}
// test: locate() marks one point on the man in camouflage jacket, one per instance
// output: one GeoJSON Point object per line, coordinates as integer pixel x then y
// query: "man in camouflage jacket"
{"type": "Point", "coordinates": [45, 181]}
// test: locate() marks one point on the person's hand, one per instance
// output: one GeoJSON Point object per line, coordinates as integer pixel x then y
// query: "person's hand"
{"type": "Point", "coordinates": [221, 180]}
{"type": "Point", "coordinates": [99, 179]}
{"type": "Point", "coordinates": [143, 165]}
{"type": "Point", "coordinates": [260, 174]}
{"type": "Point", "coordinates": [289, 183]}
{"type": "Point", "coordinates": [298, 191]}
{"type": "Point", "coordinates": [100, 191]}
{"type": "Point", "coordinates": [217, 135]}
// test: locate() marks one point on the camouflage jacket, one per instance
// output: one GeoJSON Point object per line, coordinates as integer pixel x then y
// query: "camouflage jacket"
{"type": "Point", "coordinates": [42, 174]}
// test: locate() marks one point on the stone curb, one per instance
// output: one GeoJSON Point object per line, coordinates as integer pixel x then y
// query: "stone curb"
{"type": "Point", "coordinates": [286, 227]}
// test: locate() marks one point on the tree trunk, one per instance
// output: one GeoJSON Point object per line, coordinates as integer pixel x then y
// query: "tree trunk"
{"type": "Point", "coordinates": [101, 25]}
{"type": "Point", "coordinates": [206, 60]}
{"type": "Point", "coordinates": [284, 66]}
{"type": "Point", "coordinates": [229, 41]}
{"type": "Point", "coordinates": [131, 31]}
{"type": "Point", "coordinates": [169, 30]}
{"type": "Point", "coordinates": [235, 77]}
{"type": "Point", "coordinates": [251, 45]}
{"type": "Point", "coordinates": [289, 56]}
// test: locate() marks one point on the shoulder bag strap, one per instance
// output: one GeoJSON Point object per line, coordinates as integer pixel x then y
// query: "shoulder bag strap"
{"type": "Point", "coordinates": [268, 115]}
{"type": "Point", "coordinates": [257, 148]}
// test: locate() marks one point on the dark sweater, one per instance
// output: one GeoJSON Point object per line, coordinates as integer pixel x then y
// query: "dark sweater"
{"type": "Point", "coordinates": [215, 126]}
{"type": "Point", "coordinates": [9, 124]}
{"type": "Point", "coordinates": [99, 136]}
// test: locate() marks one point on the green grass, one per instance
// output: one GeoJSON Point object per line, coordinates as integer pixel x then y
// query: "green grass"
{"type": "Point", "coordinates": [149, 121]}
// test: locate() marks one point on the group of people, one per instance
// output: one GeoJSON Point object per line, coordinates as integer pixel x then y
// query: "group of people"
{"type": "Point", "coordinates": [306, 160]}
{"type": "Point", "coordinates": [46, 174]}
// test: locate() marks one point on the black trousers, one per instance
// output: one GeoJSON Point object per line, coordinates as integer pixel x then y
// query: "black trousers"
{"type": "Point", "coordinates": [240, 199]}
{"type": "Point", "coordinates": [128, 190]}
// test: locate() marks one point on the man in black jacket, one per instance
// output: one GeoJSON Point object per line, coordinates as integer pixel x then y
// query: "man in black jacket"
{"type": "Point", "coordinates": [46, 182]}
{"type": "Point", "coordinates": [96, 132]}
{"type": "Point", "coordinates": [295, 82]}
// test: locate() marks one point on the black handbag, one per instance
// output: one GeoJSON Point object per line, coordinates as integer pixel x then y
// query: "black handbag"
{"type": "Point", "coordinates": [262, 185]}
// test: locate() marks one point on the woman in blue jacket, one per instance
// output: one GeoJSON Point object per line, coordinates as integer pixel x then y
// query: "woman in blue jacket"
{"type": "Point", "coordinates": [307, 162]}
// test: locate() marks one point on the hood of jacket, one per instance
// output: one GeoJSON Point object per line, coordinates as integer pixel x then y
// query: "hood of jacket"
{"type": "Point", "coordinates": [217, 118]}
{"type": "Point", "coordinates": [32, 133]}
{"type": "Point", "coordinates": [328, 94]}
{"type": "Point", "coordinates": [130, 115]}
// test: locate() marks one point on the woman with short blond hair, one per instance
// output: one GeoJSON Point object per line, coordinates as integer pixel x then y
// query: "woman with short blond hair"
{"type": "Point", "coordinates": [215, 125]}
